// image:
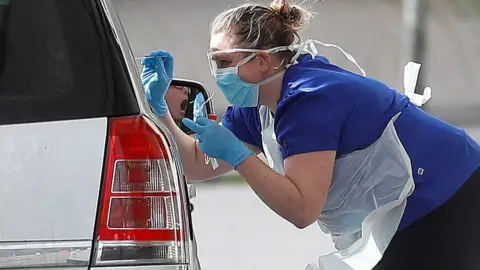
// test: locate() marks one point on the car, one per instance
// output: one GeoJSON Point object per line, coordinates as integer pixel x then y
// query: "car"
{"type": "Point", "coordinates": [90, 177]}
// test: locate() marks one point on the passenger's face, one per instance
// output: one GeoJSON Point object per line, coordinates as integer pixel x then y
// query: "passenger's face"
{"type": "Point", "coordinates": [177, 100]}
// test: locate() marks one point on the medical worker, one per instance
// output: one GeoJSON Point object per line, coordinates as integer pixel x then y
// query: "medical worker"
{"type": "Point", "coordinates": [395, 187]}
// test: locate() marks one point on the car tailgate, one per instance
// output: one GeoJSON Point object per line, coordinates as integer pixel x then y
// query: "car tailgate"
{"type": "Point", "coordinates": [50, 178]}
{"type": "Point", "coordinates": [61, 78]}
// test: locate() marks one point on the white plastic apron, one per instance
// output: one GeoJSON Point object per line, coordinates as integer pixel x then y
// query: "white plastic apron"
{"type": "Point", "coordinates": [368, 190]}
{"type": "Point", "coordinates": [366, 200]}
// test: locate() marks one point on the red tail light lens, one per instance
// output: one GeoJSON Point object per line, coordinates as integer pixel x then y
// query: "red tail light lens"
{"type": "Point", "coordinates": [212, 117]}
{"type": "Point", "coordinates": [139, 219]}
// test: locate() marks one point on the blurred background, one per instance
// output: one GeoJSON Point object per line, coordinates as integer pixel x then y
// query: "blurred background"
{"type": "Point", "coordinates": [234, 228]}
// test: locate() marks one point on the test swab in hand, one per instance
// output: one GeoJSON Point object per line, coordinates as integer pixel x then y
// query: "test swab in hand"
{"type": "Point", "coordinates": [207, 158]}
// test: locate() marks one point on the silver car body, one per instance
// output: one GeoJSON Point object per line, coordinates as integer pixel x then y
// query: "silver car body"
{"type": "Point", "coordinates": [50, 199]}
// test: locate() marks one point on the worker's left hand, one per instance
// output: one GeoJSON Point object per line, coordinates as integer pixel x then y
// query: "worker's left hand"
{"type": "Point", "coordinates": [156, 77]}
{"type": "Point", "coordinates": [217, 141]}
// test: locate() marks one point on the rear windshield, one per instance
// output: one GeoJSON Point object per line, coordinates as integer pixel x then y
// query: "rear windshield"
{"type": "Point", "coordinates": [58, 61]}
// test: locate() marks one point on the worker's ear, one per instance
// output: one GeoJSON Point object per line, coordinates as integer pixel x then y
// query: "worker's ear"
{"type": "Point", "coordinates": [265, 61]}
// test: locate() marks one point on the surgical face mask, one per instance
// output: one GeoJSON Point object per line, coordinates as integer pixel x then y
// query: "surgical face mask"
{"type": "Point", "coordinates": [237, 91]}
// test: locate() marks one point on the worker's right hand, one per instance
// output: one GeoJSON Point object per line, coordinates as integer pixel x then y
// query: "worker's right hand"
{"type": "Point", "coordinates": [156, 77]}
{"type": "Point", "coordinates": [217, 141]}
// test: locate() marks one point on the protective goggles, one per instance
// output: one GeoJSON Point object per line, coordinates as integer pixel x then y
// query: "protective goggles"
{"type": "Point", "coordinates": [212, 55]}
{"type": "Point", "coordinates": [307, 46]}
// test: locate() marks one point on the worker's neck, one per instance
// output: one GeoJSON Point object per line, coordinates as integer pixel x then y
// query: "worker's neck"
{"type": "Point", "coordinates": [270, 94]}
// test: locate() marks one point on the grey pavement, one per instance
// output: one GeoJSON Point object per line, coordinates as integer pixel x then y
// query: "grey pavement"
{"type": "Point", "coordinates": [237, 231]}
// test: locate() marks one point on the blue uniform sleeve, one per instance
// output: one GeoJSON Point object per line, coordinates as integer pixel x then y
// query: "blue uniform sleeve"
{"type": "Point", "coordinates": [311, 120]}
{"type": "Point", "coordinates": [242, 123]}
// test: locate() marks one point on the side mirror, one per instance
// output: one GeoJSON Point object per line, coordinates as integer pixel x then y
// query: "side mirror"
{"type": "Point", "coordinates": [186, 99]}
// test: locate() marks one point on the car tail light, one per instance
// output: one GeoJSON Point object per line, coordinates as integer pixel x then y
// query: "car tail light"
{"type": "Point", "coordinates": [140, 220]}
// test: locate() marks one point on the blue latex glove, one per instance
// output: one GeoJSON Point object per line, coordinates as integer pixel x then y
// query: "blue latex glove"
{"type": "Point", "coordinates": [156, 76]}
{"type": "Point", "coordinates": [218, 142]}
{"type": "Point", "coordinates": [4, 2]}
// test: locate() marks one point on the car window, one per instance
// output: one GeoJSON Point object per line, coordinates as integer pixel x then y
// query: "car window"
{"type": "Point", "coordinates": [59, 60]}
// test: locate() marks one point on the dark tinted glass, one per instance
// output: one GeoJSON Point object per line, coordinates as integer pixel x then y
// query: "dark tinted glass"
{"type": "Point", "coordinates": [59, 60]}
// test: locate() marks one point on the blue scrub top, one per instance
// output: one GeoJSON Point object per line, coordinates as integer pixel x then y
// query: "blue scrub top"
{"type": "Point", "coordinates": [323, 107]}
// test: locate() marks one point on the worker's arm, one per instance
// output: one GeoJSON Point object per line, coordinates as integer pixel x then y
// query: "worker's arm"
{"type": "Point", "coordinates": [156, 76]}
{"type": "Point", "coordinates": [193, 159]}
{"type": "Point", "coordinates": [298, 196]}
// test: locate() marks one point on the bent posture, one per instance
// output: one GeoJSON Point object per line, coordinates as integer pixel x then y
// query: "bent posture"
{"type": "Point", "coordinates": [380, 175]}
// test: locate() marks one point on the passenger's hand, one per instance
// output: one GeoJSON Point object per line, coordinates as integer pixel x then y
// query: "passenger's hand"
{"type": "Point", "coordinates": [156, 76]}
{"type": "Point", "coordinates": [218, 142]}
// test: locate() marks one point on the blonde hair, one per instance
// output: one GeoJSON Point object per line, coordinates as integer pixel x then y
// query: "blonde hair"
{"type": "Point", "coordinates": [257, 26]}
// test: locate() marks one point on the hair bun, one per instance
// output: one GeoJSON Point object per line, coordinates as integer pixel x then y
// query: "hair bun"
{"type": "Point", "coordinates": [293, 16]}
